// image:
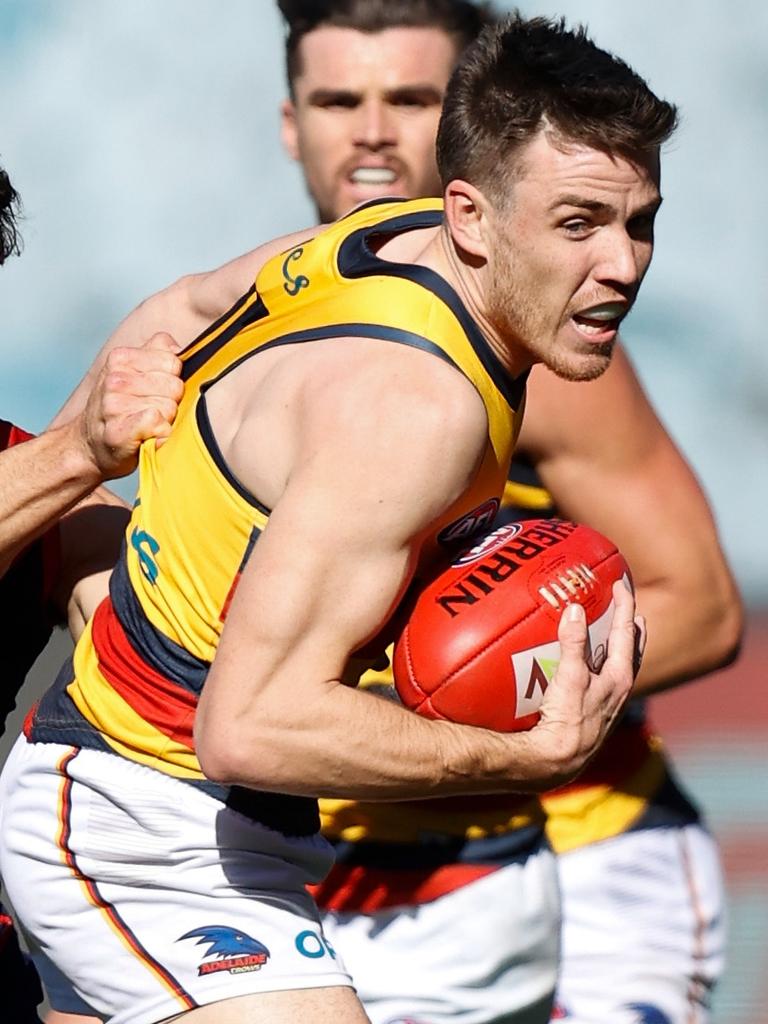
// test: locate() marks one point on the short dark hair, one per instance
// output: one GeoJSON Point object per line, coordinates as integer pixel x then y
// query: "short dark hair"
{"type": "Point", "coordinates": [522, 75]}
{"type": "Point", "coordinates": [10, 207]}
{"type": "Point", "coordinates": [462, 19]}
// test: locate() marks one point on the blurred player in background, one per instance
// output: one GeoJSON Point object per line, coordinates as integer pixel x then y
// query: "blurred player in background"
{"type": "Point", "coordinates": [53, 569]}
{"type": "Point", "coordinates": [206, 700]}
{"type": "Point", "coordinates": [641, 883]}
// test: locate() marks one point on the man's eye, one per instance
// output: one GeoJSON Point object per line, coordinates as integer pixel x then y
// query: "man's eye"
{"type": "Point", "coordinates": [414, 102]}
{"type": "Point", "coordinates": [576, 226]}
{"type": "Point", "coordinates": [338, 103]}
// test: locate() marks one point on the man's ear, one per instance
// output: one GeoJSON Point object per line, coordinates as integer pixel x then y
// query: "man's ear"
{"type": "Point", "coordinates": [467, 214]}
{"type": "Point", "coordinates": [289, 134]}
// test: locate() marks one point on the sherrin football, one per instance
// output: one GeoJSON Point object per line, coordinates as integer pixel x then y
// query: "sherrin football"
{"type": "Point", "coordinates": [480, 643]}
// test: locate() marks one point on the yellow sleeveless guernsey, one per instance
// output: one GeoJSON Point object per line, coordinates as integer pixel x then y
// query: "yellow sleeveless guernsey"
{"type": "Point", "coordinates": [138, 670]}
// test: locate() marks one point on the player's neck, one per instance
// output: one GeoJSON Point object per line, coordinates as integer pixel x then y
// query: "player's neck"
{"type": "Point", "coordinates": [468, 278]}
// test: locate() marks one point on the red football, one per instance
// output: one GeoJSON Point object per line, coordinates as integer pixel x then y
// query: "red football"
{"type": "Point", "coordinates": [480, 644]}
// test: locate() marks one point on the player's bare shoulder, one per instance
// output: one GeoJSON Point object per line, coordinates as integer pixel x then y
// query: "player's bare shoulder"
{"type": "Point", "coordinates": [399, 406]}
{"type": "Point", "coordinates": [363, 418]}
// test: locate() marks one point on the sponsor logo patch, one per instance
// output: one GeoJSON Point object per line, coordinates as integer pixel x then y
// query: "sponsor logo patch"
{"type": "Point", "coordinates": [473, 522]}
{"type": "Point", "coordinates": [488, 544]}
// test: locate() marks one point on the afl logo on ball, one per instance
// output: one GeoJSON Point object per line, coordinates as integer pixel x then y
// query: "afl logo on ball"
{"type": "Point", "coordinates": [489, 543]}
{"type": "Point", "coordinates": [473, 522]}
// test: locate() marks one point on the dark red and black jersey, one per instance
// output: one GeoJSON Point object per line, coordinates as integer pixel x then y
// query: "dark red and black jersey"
{"type": "Point", "coordinates": [26, 613]}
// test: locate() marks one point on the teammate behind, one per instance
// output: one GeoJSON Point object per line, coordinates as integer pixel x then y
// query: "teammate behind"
{"type": "Point", "coordinates": [50, 571]}
{"type": "Point", "coordinates": [205, 707]}
{"type": "Point", "coordinates": [365, 80]}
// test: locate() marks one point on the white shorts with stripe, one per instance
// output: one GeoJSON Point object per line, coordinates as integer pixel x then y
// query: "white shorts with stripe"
{"type": "Point", "coordinates": [643, 928]}
{"type": "Point", "coordinates": [485, 953]}
{"type": "Point", "coordinates": [150, 896]}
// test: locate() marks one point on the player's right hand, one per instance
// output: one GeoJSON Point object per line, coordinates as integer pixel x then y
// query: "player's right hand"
{"type": "Point", "coordinates": [136, 397]}
{"type": "Point", "coordinates": [580, 707]}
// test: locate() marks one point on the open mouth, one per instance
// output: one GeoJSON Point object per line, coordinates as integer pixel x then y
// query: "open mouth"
{"type": "Point", "coordinates": [373, 176]}
{"type": "Point", "coordinates": [598, 321]}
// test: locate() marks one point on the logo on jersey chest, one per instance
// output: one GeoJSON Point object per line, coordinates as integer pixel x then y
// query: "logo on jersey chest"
{"type": "Point", "coordinates": [293, 285]}
{"type": "Point", "coordinates": [468, 525]}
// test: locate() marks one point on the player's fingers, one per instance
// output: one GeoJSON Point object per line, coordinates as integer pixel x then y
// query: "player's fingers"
{"type": "Point", "coordinates": [167, 346]}
{"type": "Point", "coordinates": [160, 408]}
{"type": "Point", "coordinates": [572, 634]}
{"type": "Point", "coordinates": [144, 382]}
{"type": "Point", "coordinates": [621, 639]}
{"type": "Point", "coordinates": [162, 341]}
{"type": "Point", "coordinates": [148, 422]}
{"type": "Point", "coordinates": [144, 359]}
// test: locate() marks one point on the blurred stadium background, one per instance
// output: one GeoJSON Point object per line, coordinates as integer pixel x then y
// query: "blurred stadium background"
{"type": "Point", "coordinates": [144, 140]}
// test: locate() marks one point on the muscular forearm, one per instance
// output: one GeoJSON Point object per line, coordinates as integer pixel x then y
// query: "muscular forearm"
{"type": "Point", "coordinates": [688, 636]}
{"type": "Point", "coordinates": [39, 481]}
{"type": "Point", "coordinates": [329, 740]}
{"type": "Point", "coordinates": [350, 744]}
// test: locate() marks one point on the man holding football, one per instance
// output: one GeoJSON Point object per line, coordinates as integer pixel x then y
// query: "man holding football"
{"type": "Point", "coordinates": [264, 551]}
{"type": "Point", "coordinates": [365, 83]}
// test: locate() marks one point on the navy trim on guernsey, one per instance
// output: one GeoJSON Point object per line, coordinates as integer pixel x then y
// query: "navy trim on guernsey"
{"type": "Point", "coordinates": [198, 359]}
{"type": "Point", "coordinates": [357, 259]}
{"type": "Point", "coordinates": [210, 442]}
{"type": "Point", "coordinates": [160, 653]}
{"type": "Point", "coordinates": [378, 332]}
{"type": "Point", "coordinates": [669, 807]}
{"type": "Point", "coordinates": [380, 201]}
{"type": "Point", "coordinates": [435, 851]}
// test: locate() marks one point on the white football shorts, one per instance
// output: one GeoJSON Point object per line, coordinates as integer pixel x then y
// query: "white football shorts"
{"type": "Point", "coordinates": [150, 896]}
{"type": "Point", "coordinates": [643, 928]}
{"type": "Point", "coordinates": [485, 953]}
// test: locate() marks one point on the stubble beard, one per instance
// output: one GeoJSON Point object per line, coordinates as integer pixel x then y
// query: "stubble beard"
{"type": "Point", "coordinates": [513, 311]}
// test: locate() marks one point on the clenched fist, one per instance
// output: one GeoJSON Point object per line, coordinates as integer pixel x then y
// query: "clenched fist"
{"type": "Point", "coordinates": [136, 397]}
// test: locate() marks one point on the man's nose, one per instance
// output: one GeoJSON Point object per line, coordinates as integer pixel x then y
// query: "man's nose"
{"type": "Point", "coordinates": [622, 259]}
{"type": "Point", "coordinates": [375, 125]}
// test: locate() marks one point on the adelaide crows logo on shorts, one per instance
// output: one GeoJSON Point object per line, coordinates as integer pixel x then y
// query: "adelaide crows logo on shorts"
{"type": "Point", "coordinates": [235, 951]}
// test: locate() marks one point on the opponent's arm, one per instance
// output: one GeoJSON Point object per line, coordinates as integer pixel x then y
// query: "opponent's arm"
{"type": "Point", "coordinates": [368, 479]}
{"type": "Point", "coordinates": [606, 459]}
{"type": "Point", "coordinates": [135, 397]}
{"type": "Point", "coordinates": [184, 309]}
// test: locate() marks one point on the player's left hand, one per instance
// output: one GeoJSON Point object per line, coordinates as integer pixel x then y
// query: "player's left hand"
{"type": "Point", "coordinates": [581, 707]}
{"type": "Point", "coordinates": [136, 397]}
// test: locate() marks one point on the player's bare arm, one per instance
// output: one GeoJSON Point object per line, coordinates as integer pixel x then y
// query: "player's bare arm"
{"type": "Point", "coordinates": [349, 517]}
{"type": "Point", "coordinates": [184, 309]}
{"type": "Point", "coordinates": [630, 482]}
